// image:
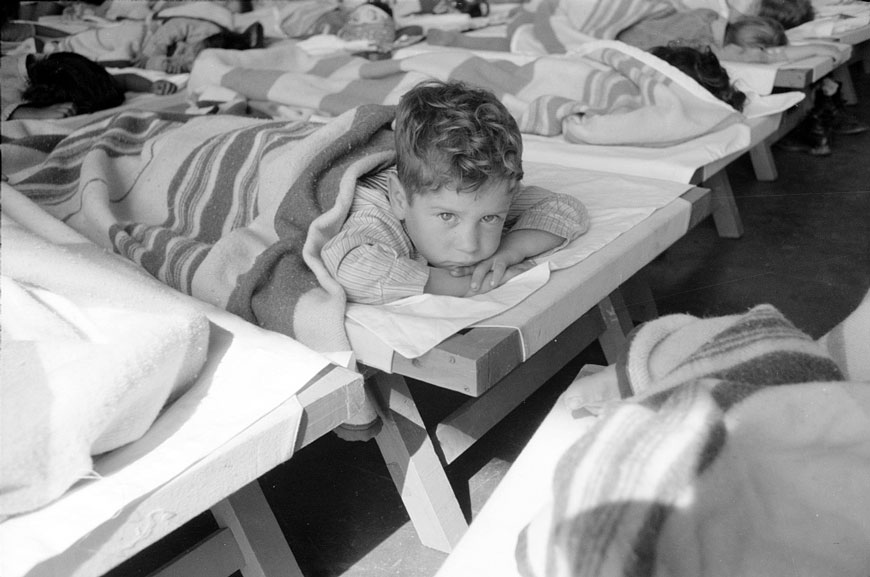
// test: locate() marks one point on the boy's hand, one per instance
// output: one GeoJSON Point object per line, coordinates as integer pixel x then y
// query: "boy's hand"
{"type": "Point", "coordinates": [490, 281]}
{"type": "Point", "coordinates": [504, 265]}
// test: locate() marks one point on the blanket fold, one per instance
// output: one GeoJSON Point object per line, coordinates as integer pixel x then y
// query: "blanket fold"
{"type": "Point", "coordinates": [230, 210]}
{"type": "Point", "coordinates": [93, 349]}
{"type": "Point", "coordinates": [609, 93]}
{"type": "Point", "coordinates": [744, 454]}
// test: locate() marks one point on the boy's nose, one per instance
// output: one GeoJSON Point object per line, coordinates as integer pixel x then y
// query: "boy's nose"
{"type": "Point", "coordinates": [467, 240]}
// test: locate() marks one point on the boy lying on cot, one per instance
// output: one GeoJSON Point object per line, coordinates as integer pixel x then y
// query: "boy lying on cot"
{"type": "Point", "coordinates": [435, 223]}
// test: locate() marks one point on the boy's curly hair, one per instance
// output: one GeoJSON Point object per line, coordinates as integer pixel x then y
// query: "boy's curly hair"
{"type": "Point", "coordinates": [71, 77]}
{"type": "Point", "coordinates": [450, 134]}
{"type": "Point", "coordinates": [789, 13]}
{"type": "Point", "coordinates": [702, 65]}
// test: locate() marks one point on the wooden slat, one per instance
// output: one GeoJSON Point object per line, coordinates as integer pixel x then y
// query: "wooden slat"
{"type": "Point", "coordinates": [218, 555]}
{"type": "Point", "coordinates": [798, 78]}
{"type": "Point", "coordinates": [326, 401]}
{"type": "Point", "coordinates": [462, 428]}
{"type": "Point", "coordinates": [470, 363]}
{"type": "Point", "coordinates": [256, 531]}
{"type": "Point", "coordinates": [415, 467]}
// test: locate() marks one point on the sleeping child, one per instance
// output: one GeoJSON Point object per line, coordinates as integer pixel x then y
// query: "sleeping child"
{"type": "Point", "coordinates": [452, 217]}
{"type": "Point", "coordinates": [558, 26]}
{"type": "Point", "coordinates": [62, 84]}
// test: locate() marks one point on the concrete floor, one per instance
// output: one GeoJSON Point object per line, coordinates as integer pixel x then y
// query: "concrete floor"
{"type": "Point", "coordinates": [806, 250]}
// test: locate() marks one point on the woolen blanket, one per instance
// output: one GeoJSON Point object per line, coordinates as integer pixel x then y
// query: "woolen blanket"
{"type": "Point", "coordinates": [744, 454]}
{"type": "Point", "coordinates": [230, 210]}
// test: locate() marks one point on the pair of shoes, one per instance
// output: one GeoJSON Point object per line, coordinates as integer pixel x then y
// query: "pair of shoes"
{"type": "Point", "coordinates": [820, 146]}
{"type": "Point", "coordinates": [791, 143]}
{"type": "Point", "coordinates": [845, 123]}
{"type": "Point", "coordinates": [841, 121]}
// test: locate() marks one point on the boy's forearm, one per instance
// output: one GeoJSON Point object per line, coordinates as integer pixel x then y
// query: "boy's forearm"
{"type": "Point", "coordinates": [526, 243]}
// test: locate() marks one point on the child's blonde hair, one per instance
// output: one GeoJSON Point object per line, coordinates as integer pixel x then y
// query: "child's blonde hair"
{"type": "Point", "coordinates": [755, 32]}
{"type": "Point", "coordinates": [451, 135]}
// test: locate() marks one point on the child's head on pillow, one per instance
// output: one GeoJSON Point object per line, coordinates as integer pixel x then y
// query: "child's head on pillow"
{"type": "Point", "coordinates": [702, 65]}
{"type": "Point", "coordinates": [70, 77]}
{"type": "Point", "coordinates": [755, 32]}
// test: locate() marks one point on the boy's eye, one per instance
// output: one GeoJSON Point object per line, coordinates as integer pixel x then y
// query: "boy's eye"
{"type": "Point", "coordinates": [446, 216]}
{"type": "Point", "coordinates": [491, 219]}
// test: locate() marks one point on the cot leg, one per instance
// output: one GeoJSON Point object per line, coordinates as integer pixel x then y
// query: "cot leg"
{"type": "Point", "coordinates": [616, 326]}
{"type": "Point", "coordinates": [763, 163]}
{"type": "Point", "coordinates": [639, 298]}
{"type": "Point", "coordinates": [847, 90]}
{"type": "Point", "coordinates": [248, 515]}
{"type": "Point", "coordinates": [415, 467]}
{"type": "Point", "coordinates": [725, 213]}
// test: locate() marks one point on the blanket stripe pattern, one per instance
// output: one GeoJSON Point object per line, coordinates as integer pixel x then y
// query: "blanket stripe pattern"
{"type": "Point", "coordinates": [230, 210]}
{"type": "Point", "coordinates": [641, 462]}
{"type": "Point", "coordinates": [559, 26]}
{"type": "Point", "coordinates": [610, 94]}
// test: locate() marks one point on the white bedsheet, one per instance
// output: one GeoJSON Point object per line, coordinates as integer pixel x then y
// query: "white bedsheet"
{"type": "Point", "coordinates": [248, 374]}
{"type": "Point", "coordinates": [411, 327]}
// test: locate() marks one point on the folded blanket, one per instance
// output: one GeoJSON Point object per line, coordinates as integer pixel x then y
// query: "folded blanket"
{"type": "Point", "coordinates": [91, 354]}
{"type": "Point", "coordinates": [610, 93]}
{"type": "Point", "coordinates": [746, 456]}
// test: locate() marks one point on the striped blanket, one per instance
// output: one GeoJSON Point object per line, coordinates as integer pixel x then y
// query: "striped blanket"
{"type": "Point", "coordinates": [230, 210]}
{"type": "Point", "coordinates": [559, 26]}
{"type": "Point", "coordinates": [743, 454]}
{"type": "Point", "coordinates": [609, 94]}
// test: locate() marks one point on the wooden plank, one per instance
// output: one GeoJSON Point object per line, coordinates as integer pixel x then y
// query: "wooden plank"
{"type": "Point", "coordinates": [470, 363]}
{"type": "Point", "coordinates": [256, 531]}
{"type": "Point", "coordinates": [797, 78]}
{"type": "Point", "coordinates": [468, 423]}
{"type": "Point", "coordinates": [329, 399]}
{"type": "Point", "coordinates": [415, 467]}
{"type": "Point", "coordinates": [217, 555]}
{"type": "Point", "coordinates": [855, 36]}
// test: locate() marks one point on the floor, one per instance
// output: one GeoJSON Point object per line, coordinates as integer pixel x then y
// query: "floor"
{"type": "Point", "coordinates": [806, 250]}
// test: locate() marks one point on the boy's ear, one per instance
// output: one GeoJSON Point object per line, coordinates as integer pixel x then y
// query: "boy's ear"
{"type": "Point", "coordinates": [398, 196]}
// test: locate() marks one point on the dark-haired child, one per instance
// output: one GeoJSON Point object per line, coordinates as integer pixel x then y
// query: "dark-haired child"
{"type": "Point", "coordinates": [452, 217]}
{"type": "Point", "coordinates": [703, 65]}
{"type": "Point", "coordinates": [62, 84]}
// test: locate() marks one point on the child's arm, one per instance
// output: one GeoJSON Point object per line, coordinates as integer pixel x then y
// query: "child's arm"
{"type": "Point", "coordinates": [735, 53]}
{"type": "Point", "coordinates": [135, 83]}
{"type": "Point", "coordinates": [542, 221]}
{"type": "Point", "coordinates": [801, 51]}
{"type": "Point", "coordinates": [51, 112]}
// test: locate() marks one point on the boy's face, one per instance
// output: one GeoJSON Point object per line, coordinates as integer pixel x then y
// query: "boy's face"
{"type": "Point", "coordinates": [451, 229]}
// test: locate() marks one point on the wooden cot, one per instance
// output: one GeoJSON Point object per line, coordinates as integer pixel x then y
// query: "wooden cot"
{"type": "Point", "coordinates": [500, 365]}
